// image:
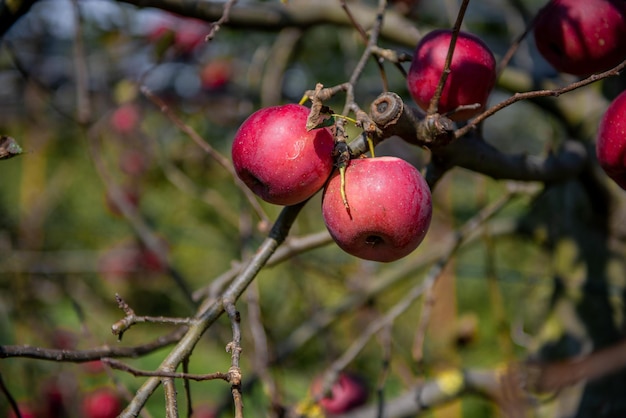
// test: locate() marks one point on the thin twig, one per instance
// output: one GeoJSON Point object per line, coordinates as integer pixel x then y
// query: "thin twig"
{"type": "Point", "coordinates": [418, 290]}
{"type": "Point", "coordinates": [171, 398]}
{"type": "Point", "coordinates": [216, 26]}
{"type": "Point", "coordinates": [83, 104]}
{"type": "Point", "coordinates": [82, 356]}
{"type": "Point", "coordinates": [131, 319]}
{"type": "Point", "coordinates": [433, 106]}
{"type": "Point", "coordinates": [207, 315]}
{"type": "Point", "coordinates": [538, 93]}
{"type": "Point", "coordinates": [10, 399]}
{"type": "Point", "coordinates": [234, 348]}
{"type": "Point", "coordinates": [119, 365]}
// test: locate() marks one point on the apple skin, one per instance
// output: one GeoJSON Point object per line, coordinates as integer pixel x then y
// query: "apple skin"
{"type": "Point", "coordinates": [582, 37]}
{"type": "Point", "coordinates": [389, 209]}
{"type": "Point", "coordinates": [102, 403]}
{"type": "Point", "coordinates": [278, 159]}
{"type": "Point", "coordinates": [611, 141]}
{"type": "Point", "coordinates": [472, 73]}
{"type": "Point", "coordinates": [348, 392]}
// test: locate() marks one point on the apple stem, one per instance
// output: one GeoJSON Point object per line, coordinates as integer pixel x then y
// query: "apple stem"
{"type": "Point", "coordinates": [342, 176]}
{"type": "Point", "coordinates": [370, 144]}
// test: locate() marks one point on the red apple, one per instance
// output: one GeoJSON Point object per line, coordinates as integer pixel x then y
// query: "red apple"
{"type": "Point", "coordinates": [582, 37]}
{"type": "Point", "coordinates": [190, 34]}
{"type": "Point", "coordinates": [102, 403]}
{"type": "Point", "coordinates": [347, 393]}
{"type": "Point", "coordinates": [472, 73]}
{"type": "Point", "coordinates": [389, 209]}
{"type": "Point", "coordinates": [216, 74]}
{"type": "Point", "coordinates": [125, 118]}
{"type": "Point", "coordinates": [611, 141]}
{"type": "Point", "coordinates": [278, 159]}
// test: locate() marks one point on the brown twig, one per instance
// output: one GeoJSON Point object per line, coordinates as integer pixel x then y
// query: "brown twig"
{"type": "Point", "coordinates": [83, 104]}
{"type": "Point", "coordinates": [209, 312]}
{"type": "Point", "coordinates": [216, 26]}
{"type": "Point", "coordinates": [234, 348]}
{"type": "Point", "coordinates": [434, 101]}
{"type": "Point", "coordinates": [119, 365]}
{"type": "Point", "coordinates": [131, 319]}
{"type": "Point", "coordinates": [536, 94]}
{"type": "Point", "coordinates": [10, 399]}
{"type": "Point", "coordinates": [82, 356]}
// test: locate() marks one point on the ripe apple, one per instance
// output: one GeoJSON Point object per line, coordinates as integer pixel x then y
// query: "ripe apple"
{"type": "Point", "coordinates": [472, 73]}
{"type": "Point", "coordinates": [582, 37]}
{"type": "Point", "coordinates": [389, 209]}
{"type": "Point", "coordinates": [347, 393]}
{"type": "Point", "coordinates": [278, 159]}
{"type": "Point", "coordinates": [102, 403]}
{"type": "Point", "coordinates": [611, 141]}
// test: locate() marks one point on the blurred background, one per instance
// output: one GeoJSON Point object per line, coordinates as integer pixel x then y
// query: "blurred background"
{"type": "Point", "coordinates": [111, 197]}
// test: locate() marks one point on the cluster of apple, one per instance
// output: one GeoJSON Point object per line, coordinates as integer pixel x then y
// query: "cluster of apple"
{"type": "Point", "coordinates": [284, 163]}
{"type": "Point", "coordinates": [388, 208]}
{"type": "Point", "coordinates": [381, 209]}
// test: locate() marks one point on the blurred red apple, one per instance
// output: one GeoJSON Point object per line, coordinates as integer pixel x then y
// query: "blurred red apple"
{"type": "Point", "coordinates": [216, 74]}
{"type": "Point", "coordinates": [582, 37]}
{"type": "Point", "coordinates": [102, 403]}
{"type": "Point", "coordinates": [347, 393]}
{"type": "Point", "coordinates": [125, 118]}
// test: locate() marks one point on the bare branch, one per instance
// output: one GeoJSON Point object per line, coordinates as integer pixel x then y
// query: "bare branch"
{"type": "Point", "coordinates": [301, 14]}
{"type": "Point", "coordinates": [81, 356]}
{"type": "Point", "coordinates": [536, 94]}
{"type": "Point", "coordinates": [434, 101]}
{"type": "Point", "coordinates": [210, 311]}
{"type": "Point", "coordinates": [216, 26]}
{"type": "Point", "coordinates": [131, 319]}
{"type": "Point", "coordinates": [118, 365]}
